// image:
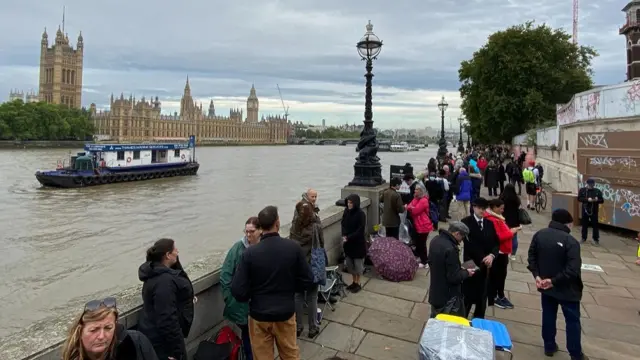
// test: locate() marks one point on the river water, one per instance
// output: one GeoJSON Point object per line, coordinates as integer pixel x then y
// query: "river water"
{"type": "Point", "coordinates": [63, 246]}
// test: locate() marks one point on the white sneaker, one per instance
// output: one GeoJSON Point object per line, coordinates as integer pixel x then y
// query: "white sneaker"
{"type": "Point", "coordinates": [513, 257]}
{"type": "Point", "coordinates": [421, 265]}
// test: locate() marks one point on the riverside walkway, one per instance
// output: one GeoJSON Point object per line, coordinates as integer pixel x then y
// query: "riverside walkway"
{"type": "Point", "coordinates": [385, 320]}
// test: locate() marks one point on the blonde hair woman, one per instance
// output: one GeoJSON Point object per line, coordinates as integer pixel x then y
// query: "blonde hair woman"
{"type": "Point", "coordinates": [96, 335]}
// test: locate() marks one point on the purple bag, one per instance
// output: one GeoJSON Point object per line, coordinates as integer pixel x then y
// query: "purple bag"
{"type": "Point", "coordinates": [392, 259]}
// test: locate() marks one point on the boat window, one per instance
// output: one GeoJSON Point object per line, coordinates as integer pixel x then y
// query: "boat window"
{"type": "Point", "coordinates": [136, 155]}
{"type": "Point", "coordinates": [120, 155]}
{"type": "Point", "coordinates": [176, 153]}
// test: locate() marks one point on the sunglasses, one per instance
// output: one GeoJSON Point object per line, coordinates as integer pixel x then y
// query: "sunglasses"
{"type": "Point", "coordinates": [93, 305]}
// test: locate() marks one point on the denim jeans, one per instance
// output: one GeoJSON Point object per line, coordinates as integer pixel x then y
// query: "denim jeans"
{"type": "Point", "coordinates": [571, 311]}
{"type": "Point", "coordinates": [514, 244]}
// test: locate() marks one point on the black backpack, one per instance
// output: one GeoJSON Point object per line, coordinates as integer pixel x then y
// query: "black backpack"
{"type": "Point", "coordinates": [435, 188]}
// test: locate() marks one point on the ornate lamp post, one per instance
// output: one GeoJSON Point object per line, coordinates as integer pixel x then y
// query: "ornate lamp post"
{"type": "Point", "coordinates": [460, 142]}
{"type": "Point", "coordinates": [367, 169]}
{"type": "Point", "coordinates": [442, 150]}
{"type": "Point", "coordinates": [468, 141]}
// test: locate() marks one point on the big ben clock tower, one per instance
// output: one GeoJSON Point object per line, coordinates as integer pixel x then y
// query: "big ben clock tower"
{"type": "Point", "coordinates": [252, 106]}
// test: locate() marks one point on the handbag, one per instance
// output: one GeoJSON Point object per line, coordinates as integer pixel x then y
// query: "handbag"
{"type": "Point", "coordinates": [318, 258]}
{"type": "Point", "coordinates": [524, 217]}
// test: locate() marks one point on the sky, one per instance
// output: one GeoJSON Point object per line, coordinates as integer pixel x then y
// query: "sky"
{"type": "Point", "coordinates": [306, 47]}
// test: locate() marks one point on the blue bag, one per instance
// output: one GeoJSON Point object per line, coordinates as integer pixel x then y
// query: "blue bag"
{"type": "Point", "coordinates": [318, 258]}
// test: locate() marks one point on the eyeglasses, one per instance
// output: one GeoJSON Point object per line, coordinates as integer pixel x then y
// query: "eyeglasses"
{"type": "Point", "coordinates": [250, 231]}
{"type": "Point", "coordinates": [93, 305]}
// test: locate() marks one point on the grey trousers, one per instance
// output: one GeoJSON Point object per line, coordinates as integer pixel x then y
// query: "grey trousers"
{"type": "Point", "coordinates": [311, 297]}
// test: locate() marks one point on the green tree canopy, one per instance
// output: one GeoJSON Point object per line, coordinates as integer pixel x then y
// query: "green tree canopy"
{"type": "Point", "coordinates": [42, 121]}
{"type": "Point", "coordinates": [515, 80]}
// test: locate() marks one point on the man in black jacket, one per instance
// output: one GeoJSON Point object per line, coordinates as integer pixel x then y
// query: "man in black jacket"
{"type": "Point", "coordinates": [445, 268]}
{"type": "Point", "coordinates": [590, 197]}
{"type": "Point", "coordinates": [482, 247]}
{"type": "Point", "coordinates": [555, 262]}
{"type": "Point", "coordinates": [268, 276]}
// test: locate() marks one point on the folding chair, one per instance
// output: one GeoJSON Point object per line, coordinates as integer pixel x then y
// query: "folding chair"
{"type": "Point", "coordinates": [333, 272]}
{"type": "Point", "coordinates": [501, 337]}
{"type": "Point", "coordinates": [325, 292]}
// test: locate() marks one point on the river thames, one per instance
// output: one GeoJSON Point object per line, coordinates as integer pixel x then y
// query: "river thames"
{"type": "Point", "coordinates": [62, 247]}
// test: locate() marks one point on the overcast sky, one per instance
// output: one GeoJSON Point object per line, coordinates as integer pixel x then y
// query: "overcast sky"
{"type": "Point", "coordinates": [306, 46]}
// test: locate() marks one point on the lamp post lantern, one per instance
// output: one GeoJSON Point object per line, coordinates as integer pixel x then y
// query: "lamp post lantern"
{"type": "Point", "coordinates": [442, 149]}
{"type": "Point", "coordinates": [367, 169]}
{"type": "Point", "coordinates": [460, 142]}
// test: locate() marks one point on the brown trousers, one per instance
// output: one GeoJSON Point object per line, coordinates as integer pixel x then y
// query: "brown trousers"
{"type": "Point", "coordinates": [262, 335]}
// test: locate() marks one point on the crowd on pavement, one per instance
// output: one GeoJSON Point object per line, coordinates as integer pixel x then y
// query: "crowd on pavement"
{"type": "Point", "coordinates": [268, 281]}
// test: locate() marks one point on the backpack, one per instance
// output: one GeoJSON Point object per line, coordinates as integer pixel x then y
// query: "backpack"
{"type": "Point", "coordinates": [528, 176]}
{"type": "Point", "coordinates": [435, 188]}
{"type": "Point", "coordinates": [540, 170]}
{"type": "Point", "coordinates": [227, 346]}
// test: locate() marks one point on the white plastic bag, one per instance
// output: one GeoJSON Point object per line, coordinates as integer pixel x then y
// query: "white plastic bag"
{"type": "Point", "coordinates": [382, 232]}
{"type": "Point", "coordinates": [403, 232]}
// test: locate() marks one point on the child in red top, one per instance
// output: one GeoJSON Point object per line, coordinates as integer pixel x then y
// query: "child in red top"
{"type": "Point", "coordinates": [498, 273]}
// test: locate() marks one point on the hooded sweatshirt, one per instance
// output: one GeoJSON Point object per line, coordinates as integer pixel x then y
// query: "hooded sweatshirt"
{"type": "Point", "coordinates": [354, 222]}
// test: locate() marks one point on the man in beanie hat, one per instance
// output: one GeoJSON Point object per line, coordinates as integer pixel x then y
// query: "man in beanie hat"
{"type": "Point", "coordinates": [591, 198]}
{"type": "Point", "coordinates": [446, 270]}
{"type": "Point", "coordinates": [555, 262]}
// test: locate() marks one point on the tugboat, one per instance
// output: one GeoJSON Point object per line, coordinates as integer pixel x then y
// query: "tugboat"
{"type": "Point", "coordinates": [102, 164]}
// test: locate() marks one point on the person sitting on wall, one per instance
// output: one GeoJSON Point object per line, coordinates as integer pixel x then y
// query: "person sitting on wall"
{"type": "Point", "coordinates": [96, 334]}
{"type": "Point", "coordinates": [591, 198]}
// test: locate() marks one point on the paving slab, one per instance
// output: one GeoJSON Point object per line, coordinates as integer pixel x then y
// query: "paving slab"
{"type": "Point", "coordinates": [348, 356]}
{"type": "Point", "coordinates": [517, 286]}
{"type": "Point", "coordinates": [397, 290]}
{"type": "Point", "coordinates": [634, 292]}
{"type": "Point", "coordinates": [380, 302]}
{"type": "Point", "coordinates": [379, 347]}
{"type": "Point", "coordinates": [345, 313]}
{"type": "Point", "coordinates": [421, 311]}
{"type": "Point", "coordinates": [312, 351]}
{"type": "Point", "coordinates": [524, 315]}
{"type": "Point", "coordinates": [615, 315]}
{"type": "Point", "coordinates": [609, 349]}
{"type": "Point", "coordinates": [529, 352]}
{"type": "Point", "coordinates": [621, 281]}
{"type": "Point", "coordinates": [600, 289]}
{"type": "Point", "coordinates": [610, 330]}
{"type": "Point", "coordinates": [617, 302]}
{"type": "Point", "coordinates": [390, 325]}
{"type": "Point", "coordinates": [340, 337]}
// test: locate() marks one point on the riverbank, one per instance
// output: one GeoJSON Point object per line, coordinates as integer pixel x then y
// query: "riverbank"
{"type": "Point", "coordinates": [10, 144]}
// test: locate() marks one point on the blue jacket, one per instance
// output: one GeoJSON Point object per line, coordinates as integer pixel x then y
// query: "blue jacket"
{"type": "Point", "coordinates": [463, 183]}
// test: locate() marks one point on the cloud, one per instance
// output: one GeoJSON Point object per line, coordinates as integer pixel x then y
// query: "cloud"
{"type": "Point", "coordinates": [306, 47]}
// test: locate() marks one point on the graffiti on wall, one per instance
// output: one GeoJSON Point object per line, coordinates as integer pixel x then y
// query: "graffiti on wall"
{"type": "Point", "coordinates": [611, 160]}
{"type": "Point", "coordinates": [608, 102]}
{"type": "Point", "coordinates": [548, 136]}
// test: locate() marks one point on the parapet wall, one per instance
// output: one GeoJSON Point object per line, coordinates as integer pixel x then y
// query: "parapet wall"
{"type": "Point", "coordinates": [43, 341]}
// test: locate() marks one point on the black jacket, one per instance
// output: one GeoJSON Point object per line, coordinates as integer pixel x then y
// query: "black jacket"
{"type": "Point", "coordinates": [133, 345]}
{"type": "Point", "coordinates": [590, 208]}
{"type": "Point", "coordinates": [555, 254]}
{"type": "Point", "coordinates": [167, 308]}
{"type": "Point", "coordinates": [445, 270]}
{"type": "Point", "coordinates": [354, 222]}
{"type": "Point", "coordinates": [511, 213]}
{"type": "Point", "coordinates": [480, 243]}
{"type": "Point", "coordinates": [268, 276]}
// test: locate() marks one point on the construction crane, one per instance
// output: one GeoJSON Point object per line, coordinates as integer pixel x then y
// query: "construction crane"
{"type": "Point", "coordinates": [285, 108]}
{"type": "Point", "coordinates": [575, 22]}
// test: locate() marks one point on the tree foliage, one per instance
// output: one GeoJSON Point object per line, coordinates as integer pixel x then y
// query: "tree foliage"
{"type": "Point", "coordinates": [42, 121]}
{"type": "Point", "coordinates": [515, 80]}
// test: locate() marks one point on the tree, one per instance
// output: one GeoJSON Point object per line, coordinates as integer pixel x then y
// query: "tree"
{"type": "Point", "coordinates": [42, 121]}
{"type": "Point", "coordinates": [515, 80]}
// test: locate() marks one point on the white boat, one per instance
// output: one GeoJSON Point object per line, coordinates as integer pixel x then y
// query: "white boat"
{"type": "Point", "coordinates": [400, 147]}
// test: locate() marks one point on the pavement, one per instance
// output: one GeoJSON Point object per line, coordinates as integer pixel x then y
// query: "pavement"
{"type": "Point", "coordinates": [385, 320]}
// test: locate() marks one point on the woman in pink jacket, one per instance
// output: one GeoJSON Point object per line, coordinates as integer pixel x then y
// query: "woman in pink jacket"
{"type": "Point", "coordinates": [418, 208]}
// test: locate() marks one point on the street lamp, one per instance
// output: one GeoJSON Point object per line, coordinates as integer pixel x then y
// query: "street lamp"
{"type": "Point", "coordinates": [460, 142]}
{"type": "Point", "coordinates": [468, 141]}
{"type": "Point", "coordinates": [367, 169]}
{"type": "Point", "coordinates": [442, 150]}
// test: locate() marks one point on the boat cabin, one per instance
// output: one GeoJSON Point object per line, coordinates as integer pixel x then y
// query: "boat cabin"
{"type": "Point", "coordinates": [123, 155]}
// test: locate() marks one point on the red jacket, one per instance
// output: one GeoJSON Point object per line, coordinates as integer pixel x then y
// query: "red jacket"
{"type": "Point", "coordinates": [482, 164]}
{"type": "Point", "coordinates": [419, 209]}
{"type": "Point", "coordinates": [505, 236]}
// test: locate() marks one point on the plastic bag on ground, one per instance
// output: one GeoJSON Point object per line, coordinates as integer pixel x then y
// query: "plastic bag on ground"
{"type": "Point", "coordinates": [442, 340]}
{"type": "Point", "coordinates": [403, 232]}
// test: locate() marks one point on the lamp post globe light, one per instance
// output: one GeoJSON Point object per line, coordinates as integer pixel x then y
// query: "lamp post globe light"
{"type": "Point", "coordinates": [442, 149]}
{"type": "Point", "coordinates": [367, 169]}
{"type": "Point", "coordinates": [460, 142]}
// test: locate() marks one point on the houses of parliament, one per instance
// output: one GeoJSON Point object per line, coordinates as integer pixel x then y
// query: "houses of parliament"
{"type": "Point", "coordinates": [140, 120]}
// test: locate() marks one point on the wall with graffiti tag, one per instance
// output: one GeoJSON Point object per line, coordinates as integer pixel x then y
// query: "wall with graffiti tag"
{"type": "Point", "coordinates": [611, 159]}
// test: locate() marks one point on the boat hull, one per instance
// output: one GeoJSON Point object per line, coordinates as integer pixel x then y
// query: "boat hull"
{"type": "Point", "coordinates": [71, 179]}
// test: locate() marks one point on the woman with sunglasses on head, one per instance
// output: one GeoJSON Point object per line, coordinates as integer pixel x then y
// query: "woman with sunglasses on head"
{"type": "Point", "coordinates": [96, 335]}
{"type": "Point", "coordinates": [167, 301]}
{"type": "Point", "coordinates": [234, 311]}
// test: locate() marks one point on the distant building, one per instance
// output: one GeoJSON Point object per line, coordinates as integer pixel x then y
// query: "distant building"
{"type": "Point", "coordinates": [61, 70]}
{"type": "Point", "coordinates": [19, 95]}
{"type": "Point", "coordinates": [131, 120]}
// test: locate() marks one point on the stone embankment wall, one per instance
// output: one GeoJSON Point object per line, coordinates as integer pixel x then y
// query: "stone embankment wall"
{"type": "Point", "coordinates": [43, 341]}
{"type": "Point", "coordinates": [8, 144]}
